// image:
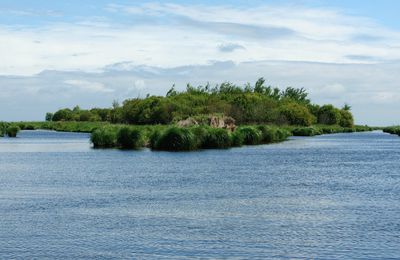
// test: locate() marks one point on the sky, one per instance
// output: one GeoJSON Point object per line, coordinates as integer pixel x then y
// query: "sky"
{"type": "Point", "coordinates": [57, 54]}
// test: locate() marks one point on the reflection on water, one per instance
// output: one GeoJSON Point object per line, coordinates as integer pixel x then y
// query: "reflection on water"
{"type": "Point", "coordinates": [329, 197]}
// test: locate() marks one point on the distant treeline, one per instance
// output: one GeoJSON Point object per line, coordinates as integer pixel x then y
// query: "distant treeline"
{"type": "Point", "coordinates": [249, 104]}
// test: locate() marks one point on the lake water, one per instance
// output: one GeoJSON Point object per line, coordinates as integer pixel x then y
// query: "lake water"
{"type": "Point", "coordinates": [326, 197]}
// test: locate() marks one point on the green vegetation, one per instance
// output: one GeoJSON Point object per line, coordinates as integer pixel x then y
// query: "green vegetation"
{"type": "Point", "coordinates": [176, 139]}
{"type": "Point", "coordinates": [394, 130]}
{"type": "Point", "coordinates": [251, 135]}
{"type": "Point", "coordinates": [12, 130]}
{"type": "Point", "coordinates": [130, 138]}
{"type": "Point", "coordinates": [104, 137]}
{"type": "Point", "coordinates": [248, 105]}
{"type": "Point", "coordinates": [3, 128]}
{"type": "Point", "coordinates": [203, 117]}
{"type": "Point", "coordinates": [216, 138]}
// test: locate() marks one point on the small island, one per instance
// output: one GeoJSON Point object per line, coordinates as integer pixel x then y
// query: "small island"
{"type": "Point", "coordinates": [204, 117]}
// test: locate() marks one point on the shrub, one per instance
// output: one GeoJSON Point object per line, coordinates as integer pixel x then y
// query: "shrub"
{"type": "Point", "coordinates": [216, 138]}
{"type": "Point", "coordinates": [251, 135]}
{"type": "Point", "coordinates": [346, 118]}
{"type": "Point", "coordinates": [130, 138]}
{"type": "Point", "coordinates": [105, 137]}
{"type": "Point", "coordinates": [12, 131]}
{"type": "Point", "coordinates": [296, 114]}
{"type": "Point", "coordinates": [176, 139]}
{"type": "Point", "coordinates": [329, 115]}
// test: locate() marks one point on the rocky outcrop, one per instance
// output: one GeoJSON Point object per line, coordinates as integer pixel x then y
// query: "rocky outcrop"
{"type": "Point", "coordinates": [187, 122]}
{"type": "Point", "coordinates": [224, 122]}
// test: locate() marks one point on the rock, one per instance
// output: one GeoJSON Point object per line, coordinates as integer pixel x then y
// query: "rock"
{"type": "Point", "coordinates": [224, 122]}
{"type": "Point", "coordinates": [187, 122]}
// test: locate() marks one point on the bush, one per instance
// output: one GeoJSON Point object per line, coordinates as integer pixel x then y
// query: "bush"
{"type": "Point", "coordinates": [296, 114]}
{"type": "Point", "coordinates": [216, 138]}
{"type": "Point", "coordinates": [130, 138]}
{"type": "Point", "coordinates": [105, 137]}
{"type": "Point", "coordinates": [329, 115]}
{"type": "Point", "coordinates": [251, 135]}
{"type": "Point", "coordinates": [346, 118]}
{"type": "Point", "coordinates": [176, 139]}
{"type": "Point", "coordinates": [12, 131]}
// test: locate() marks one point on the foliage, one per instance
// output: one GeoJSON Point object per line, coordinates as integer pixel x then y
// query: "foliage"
{"type": "Point", "coordinates": [296, 114]}
{"type": "Point", "coordinates": [12, 130]}
{"type": "Point", "coordinates": [329, 115]}
{"type": "Point", "coordinates": [104, 137]}
{"type": "Point", "coordinates": [251, 135]}
{"type": "Point", "coordinates": [304, 131]}
{"type": "Point", "coordinates": [258, 104]}
{"type": "Point", "coordinates": [3, 128]}
{"type": "Point", "coordinates": [216, 138]}
{"type": "Point", "coordinates": [130, 138]}
{"type": "Point", "coordinates": [176, 139]}
{"type": "Point", "coordinates": [346, 118]}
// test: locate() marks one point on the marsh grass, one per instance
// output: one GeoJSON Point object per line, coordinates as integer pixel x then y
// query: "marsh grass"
{"type": "Point", "coordinates": [176, 139]}
{"type": "Point", "coordinates": [12, 130]}
{"type": "Point", "coordinates": [130, 138]}
{"type": "Point", "coordinates": [251, 135]}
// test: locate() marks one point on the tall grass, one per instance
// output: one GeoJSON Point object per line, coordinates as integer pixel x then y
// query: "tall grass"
{"type": "Point", "coordinates": [251, 135]}
{"type": "Point", "coordinates": [130, 138]}
{"type": "Point", "coordinates": [216, 138]}
{"type": "Point", "coordinates": [176, 139]}
{"type": "Point", "coordinates": [105, 137]}
{"type": "Point", "coordinates": [12, 130]}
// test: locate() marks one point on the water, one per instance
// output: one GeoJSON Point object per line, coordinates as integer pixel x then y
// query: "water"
{"type": "Point", "coordinates": [327, 197]}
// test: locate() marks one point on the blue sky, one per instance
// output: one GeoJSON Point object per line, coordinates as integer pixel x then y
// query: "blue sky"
{"type": "Point", "coordinates": [63, 53]}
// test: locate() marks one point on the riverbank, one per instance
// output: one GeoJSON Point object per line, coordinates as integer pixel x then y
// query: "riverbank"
{"type": "Point", "coordinates": [394, 130]}
{"type": "Point", "coordinates": [173, 138]}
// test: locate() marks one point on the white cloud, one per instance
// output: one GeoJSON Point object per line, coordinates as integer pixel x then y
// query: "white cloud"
{"type": "Point", "coordinates": [170, 35]}
{"type": "Point", "coordinates": [88, 86]}
{"type": "Point", "coordinates": [368, 88]}
{"type": "Point", "coordinates": [337, 57]}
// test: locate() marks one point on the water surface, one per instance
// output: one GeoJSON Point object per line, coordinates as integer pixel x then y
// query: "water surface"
{"type": "Point", "coordinates": [326, 197]}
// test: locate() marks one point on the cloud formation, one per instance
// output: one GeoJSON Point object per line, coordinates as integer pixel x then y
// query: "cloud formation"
{"type": "Point", "coordinates": [93, 60]}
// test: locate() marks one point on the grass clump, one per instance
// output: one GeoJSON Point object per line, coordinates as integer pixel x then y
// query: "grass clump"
{"type": "Point", "coordinates": [271, 134]}
{"type": "Point", "coordinates": [3, 128]}
{"type": "Point", "coordinates": [251, 135]}
{"type": "Point", "coordinates": [176, 139]}
{"type": "Point", "coordinates": [12, 130]}
{"type": "Point", "coordinates": [304, 131]}
{"type": "Point", "coordinates": [105, 137]}
{"type": "Point", "coordinates": [130, 138]}
{"type": "Point", "coordinates": [216, 138]}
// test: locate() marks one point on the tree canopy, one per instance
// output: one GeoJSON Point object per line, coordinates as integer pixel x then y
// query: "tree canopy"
{"type": "Point", "coordinates": [249, 104]}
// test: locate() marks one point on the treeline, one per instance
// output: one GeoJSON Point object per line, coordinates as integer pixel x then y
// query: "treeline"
{"type": "Point", "coordinates": [249, 104]}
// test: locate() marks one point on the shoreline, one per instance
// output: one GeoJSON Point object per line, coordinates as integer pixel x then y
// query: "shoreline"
{"type": "Point", "coordinates": [174, 138]}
